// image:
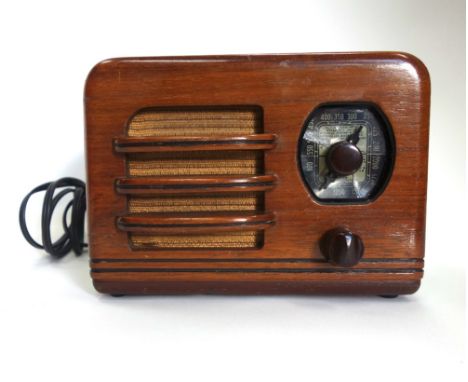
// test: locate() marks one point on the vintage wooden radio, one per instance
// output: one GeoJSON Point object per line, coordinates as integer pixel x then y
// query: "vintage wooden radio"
{"type": "Point", "coordinates": [257, 174]}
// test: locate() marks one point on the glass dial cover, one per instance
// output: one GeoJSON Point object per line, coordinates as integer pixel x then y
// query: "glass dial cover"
{"type": "Point", "coordinates": [342, 136]}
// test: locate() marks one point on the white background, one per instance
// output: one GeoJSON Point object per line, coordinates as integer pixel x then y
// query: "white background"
{"type": "Point", "coordinates": [55, 327]}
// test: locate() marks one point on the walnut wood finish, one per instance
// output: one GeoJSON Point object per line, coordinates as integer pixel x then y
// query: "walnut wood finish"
{"type": "Point", "coordinates": [195, 222]}
{"type": "Point", "coordinates": [194, 184]}
{"type": "Point", "coordinates": [287, 88]}
{"type": "Point", "coordinates": [162, 144]}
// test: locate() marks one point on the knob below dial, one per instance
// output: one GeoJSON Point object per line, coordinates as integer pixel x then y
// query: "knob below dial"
{"type": "Point", "coordinates": [341, 247]}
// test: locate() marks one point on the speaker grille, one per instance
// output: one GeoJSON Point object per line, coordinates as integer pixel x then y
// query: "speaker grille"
{"type": "Point", "coordinates": [186, 162]}
{"type": "Point", "coordinates": [216, 241]}
{"type": "Point", "coordinates": [174, 123]}
{"type": "Point", "coordinates": [251, 201]}
{"type": "Point", "coordinates": [196, 163]}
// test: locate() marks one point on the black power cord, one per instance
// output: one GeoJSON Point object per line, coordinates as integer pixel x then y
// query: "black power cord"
{"type": "Point", "coordinates": [72, 239]}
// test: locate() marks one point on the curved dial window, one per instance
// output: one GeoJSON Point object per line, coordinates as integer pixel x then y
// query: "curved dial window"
{"type": "Point", "coordinates": [346, 153]}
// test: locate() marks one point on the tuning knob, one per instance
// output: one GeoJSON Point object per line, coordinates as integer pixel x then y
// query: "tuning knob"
{"type": "Point", "coordinates": [341, 247]}
{"type": "Point", "coordinates": [344, 158]}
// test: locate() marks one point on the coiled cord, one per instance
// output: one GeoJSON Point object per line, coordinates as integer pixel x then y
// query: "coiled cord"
{"type": "Point", "coordinates": [72, 239]}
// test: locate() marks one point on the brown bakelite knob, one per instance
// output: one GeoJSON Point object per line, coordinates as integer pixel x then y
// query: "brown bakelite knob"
{"type": "Point", "coordinates": [344, 158]}
{"type": "Point", "coordinates": [342, 247]}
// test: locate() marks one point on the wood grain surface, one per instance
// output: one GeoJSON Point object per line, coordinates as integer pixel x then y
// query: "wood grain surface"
{"type": "Point", "coordinates": [286, 88]}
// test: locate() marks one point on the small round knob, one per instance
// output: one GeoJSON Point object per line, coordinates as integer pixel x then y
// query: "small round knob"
{"type": "Point", "coordinates": [342, 247]}
{"type": "Point", "coordinates": [344, 158]}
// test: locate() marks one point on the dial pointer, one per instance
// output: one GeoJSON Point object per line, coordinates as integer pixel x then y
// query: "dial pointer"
{"type": "Point", "coordinates": [354, 137]}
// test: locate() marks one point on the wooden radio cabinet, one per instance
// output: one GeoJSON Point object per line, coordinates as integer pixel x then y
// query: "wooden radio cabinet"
{"type": "Point", "coordinates": [257, 174]}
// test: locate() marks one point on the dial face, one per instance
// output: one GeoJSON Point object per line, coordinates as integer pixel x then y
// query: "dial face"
{"type": "Point", "coordinates": [346, 153]}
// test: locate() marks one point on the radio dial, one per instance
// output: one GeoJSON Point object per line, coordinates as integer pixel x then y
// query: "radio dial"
{"type": "Point", "coordinates": [346, 153]}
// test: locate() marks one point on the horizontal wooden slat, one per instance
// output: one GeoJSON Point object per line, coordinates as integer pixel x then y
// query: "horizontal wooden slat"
{"type": "Point", "coordinates": [194, 184]}
{"type": "Point", "coordinates": [194, 223]}
{"type": "Point", "coordinates": [275, 276]}
{"type": "Point", "coordinates": [267, 266]}
{"type": "Point", "coordinates": [195, 143]}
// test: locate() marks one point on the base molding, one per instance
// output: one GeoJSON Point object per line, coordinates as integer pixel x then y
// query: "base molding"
{"type": "Point", "coordinates": [255, 288]}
